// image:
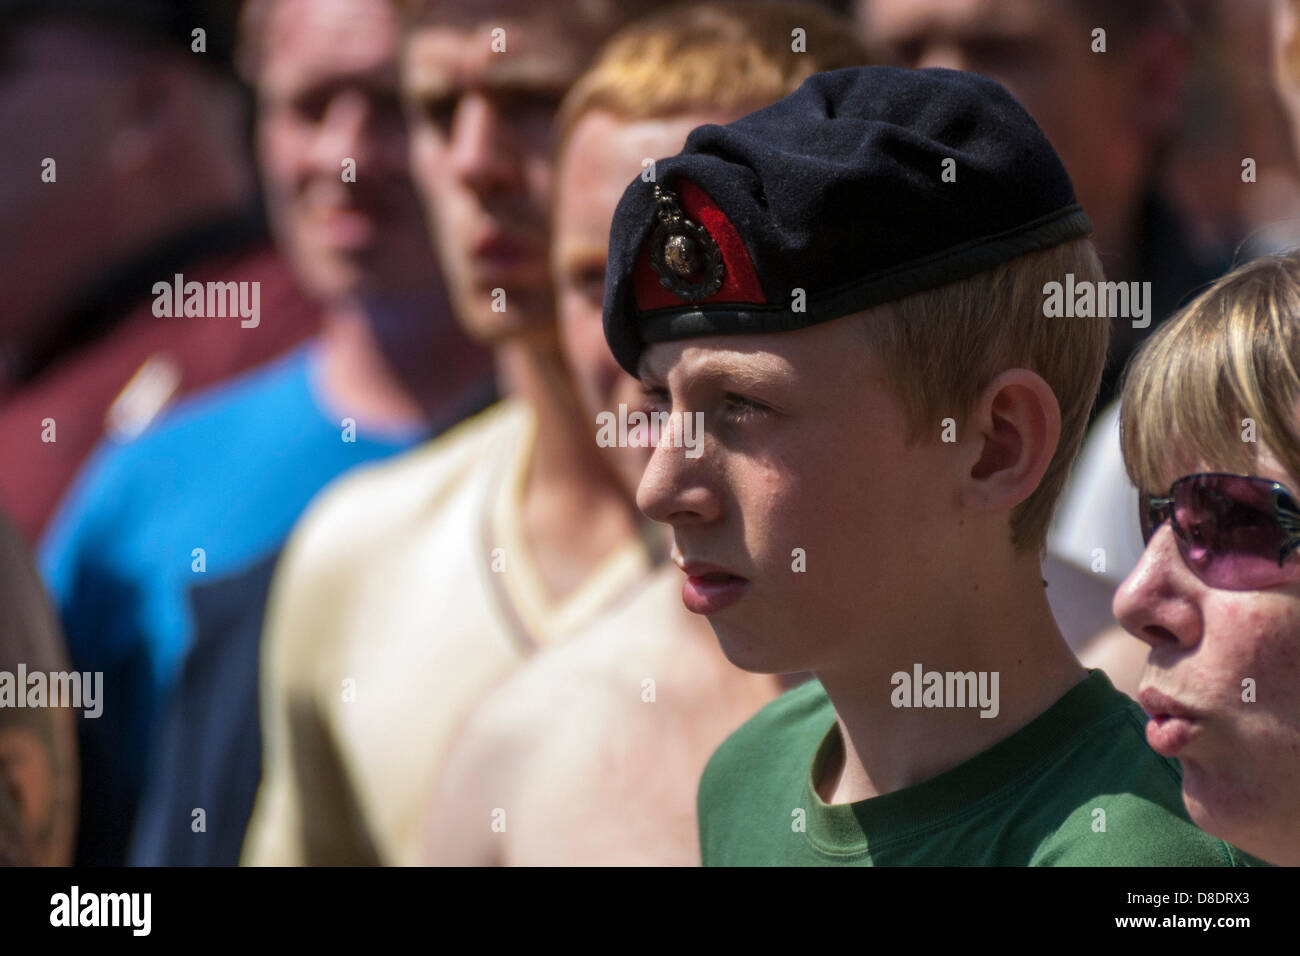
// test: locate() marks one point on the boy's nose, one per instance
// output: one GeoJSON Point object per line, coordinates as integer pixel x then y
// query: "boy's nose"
{"type": "Point", "coordinates": [676, 488]}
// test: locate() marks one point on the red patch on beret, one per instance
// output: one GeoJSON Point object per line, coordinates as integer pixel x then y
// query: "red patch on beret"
{"type": "Point", "coordinates": [739, 281]}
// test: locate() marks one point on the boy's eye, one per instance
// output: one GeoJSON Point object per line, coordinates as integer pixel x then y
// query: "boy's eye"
{"type": "Point", "coordinates": [738, 408]}
{"type": "Point", "coordinates": [654, 399]}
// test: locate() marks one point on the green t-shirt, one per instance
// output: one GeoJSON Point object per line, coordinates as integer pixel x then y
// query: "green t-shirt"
{"type": "Point", "coordinates": [1031, 799]}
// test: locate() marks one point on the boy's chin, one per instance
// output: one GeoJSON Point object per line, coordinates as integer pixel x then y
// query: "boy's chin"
{"type": "Point", "coordinates": [757, 653]}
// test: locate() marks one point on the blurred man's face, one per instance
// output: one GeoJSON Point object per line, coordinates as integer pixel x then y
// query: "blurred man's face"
{"type": "Point", "coordinates": [1042, 53]}
{"type": "Point", "coordinates": [601, 156]}
{"type": "Point", "coordinates": [327, 98]}
{"type": "Point", "coordinates": [481, 144]}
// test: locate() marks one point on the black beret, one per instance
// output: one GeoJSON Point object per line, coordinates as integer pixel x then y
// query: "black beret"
{"type": "Point", "coordinates": [835, 199]}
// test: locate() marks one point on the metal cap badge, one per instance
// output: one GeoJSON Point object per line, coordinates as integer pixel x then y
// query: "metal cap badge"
{"type": "Point", "coordinates": [683, 255]}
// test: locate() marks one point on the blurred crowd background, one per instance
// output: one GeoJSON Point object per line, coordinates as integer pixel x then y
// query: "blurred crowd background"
{"type": "Point", "coordinates": [370, 176]}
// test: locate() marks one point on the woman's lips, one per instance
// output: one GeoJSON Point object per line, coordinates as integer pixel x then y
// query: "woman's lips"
{"type": "Point", "coordinates": [1169, 736]}
{"type": "Point", "coordinates": [1172, 725]}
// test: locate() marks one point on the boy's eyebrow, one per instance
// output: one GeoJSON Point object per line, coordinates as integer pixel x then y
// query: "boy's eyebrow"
{"type": "Point", "coordinates": [740, 372]}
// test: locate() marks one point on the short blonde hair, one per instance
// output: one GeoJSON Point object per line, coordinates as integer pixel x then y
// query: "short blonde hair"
{"type": "Point", "coordinates": [729, 57]}
{"type": "Point", "coordinates": [941, 347]}
{"type": "Point", "coordinates": [1232, 354]}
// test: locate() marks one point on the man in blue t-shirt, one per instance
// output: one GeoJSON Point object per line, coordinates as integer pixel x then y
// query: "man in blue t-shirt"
{"type": "Point", "coordinates": [210, 492]}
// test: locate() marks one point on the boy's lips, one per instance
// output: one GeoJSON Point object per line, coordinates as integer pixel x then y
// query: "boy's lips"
{"type": "Point", "coordinates": [1172, 724]}
{"type": "Point", "coordinates": [709, 588]}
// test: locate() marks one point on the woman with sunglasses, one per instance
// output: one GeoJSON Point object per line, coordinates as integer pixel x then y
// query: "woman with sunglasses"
{"type": "Point", "coordinates": [1211, 438]}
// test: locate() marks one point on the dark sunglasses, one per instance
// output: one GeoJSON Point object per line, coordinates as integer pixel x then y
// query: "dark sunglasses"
{"type": "Point", "coordinates": [1233, 532]}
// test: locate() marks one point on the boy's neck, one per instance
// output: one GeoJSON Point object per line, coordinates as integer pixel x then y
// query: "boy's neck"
{"type": "Point", "coordinates": [1009, 631]}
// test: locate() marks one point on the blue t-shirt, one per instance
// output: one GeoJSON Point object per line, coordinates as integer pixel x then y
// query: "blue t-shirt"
{"type": "Point", "coordinates": [213, 487]}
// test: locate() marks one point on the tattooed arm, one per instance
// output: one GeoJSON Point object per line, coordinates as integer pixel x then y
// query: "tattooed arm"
{"type": "Point", "coordinates": [38, 774]}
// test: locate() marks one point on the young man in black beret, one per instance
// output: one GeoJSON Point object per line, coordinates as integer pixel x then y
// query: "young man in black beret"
{"type": "Point", "coordinates": [848, 286]}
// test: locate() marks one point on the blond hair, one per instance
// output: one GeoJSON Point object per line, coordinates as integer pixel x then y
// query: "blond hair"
{"type": "Point", "coordinates": [728, 57]}
{"type": "Point", "coordinates": [941, 347]}
{"type": "Point", "coordinates": [1232, 354]}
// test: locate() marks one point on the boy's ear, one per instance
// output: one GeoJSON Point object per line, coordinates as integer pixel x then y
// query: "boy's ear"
{"type": "Point", "coordinates": [1012, 434]}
